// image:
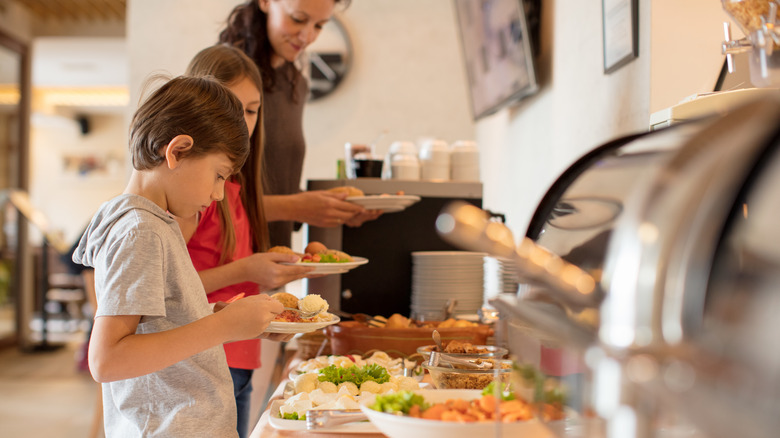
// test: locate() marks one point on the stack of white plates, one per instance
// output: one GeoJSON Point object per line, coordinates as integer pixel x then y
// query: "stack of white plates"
{"type": "Point", "coordinates": [440, 276]}
{"type": "Point", "coordinates": [500, 277]}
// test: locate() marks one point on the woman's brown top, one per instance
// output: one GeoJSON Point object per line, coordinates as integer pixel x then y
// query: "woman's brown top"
{"type": "Point", "coordinates": [285, 146]}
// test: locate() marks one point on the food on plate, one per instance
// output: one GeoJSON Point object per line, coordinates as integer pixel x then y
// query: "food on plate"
{"type": "Point", "coordinates": [401, 402]}
{"type": "Point", "coordinates": [349, 190]}
{"type": "Point", "coordinates": [316, 252]}
{"type": "Point", "coordinates": [283, 250]}
{"type": "Point", "coordinates": [485, 408]}
{"type": "Point", "coordinates": [394, 366]}
{"type": "Point", "coordinates": [354, 374]}
{"type": "Point", "coordinates": [313, 303]}
{"type": "Point", "coordinates": [295, 407]}
{"type": "Point", "coordinates": [310, 303]}
{"type": "Point", "coordinates": [340, 256]}
{"type": "Point", "coordinates": [398, 193]}
{"type": "Point", "coordinates": [287, 299]}
{"type": "Point", "coordinates": [315, 248]}
{"type": "Point", "coordinates": [337, 387]}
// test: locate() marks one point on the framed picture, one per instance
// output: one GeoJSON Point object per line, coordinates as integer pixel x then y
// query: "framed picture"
{"type": "Point", "coordinates": [497, 52]}
{"type": "Point", "coordinates": [620, 20]}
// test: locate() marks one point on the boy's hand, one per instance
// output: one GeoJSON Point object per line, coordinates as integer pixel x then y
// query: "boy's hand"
{"type": "Point", "coordinates": [250, 316]}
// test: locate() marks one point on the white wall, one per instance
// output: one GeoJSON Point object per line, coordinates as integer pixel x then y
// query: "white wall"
{"type": "Point", "coordinates": [526, 147]}
{"type": "Point", "coordinates": [67, 198]}
{"type": "Point", "coordinates": [686, 50]}
{"type": "Point", "coordinates": [407, 74]}
{"type": "Point", "coordinates": [408, 77]}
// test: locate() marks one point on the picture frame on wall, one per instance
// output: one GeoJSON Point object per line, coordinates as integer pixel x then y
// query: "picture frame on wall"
{"type": "Point", "coordinates": [620, 20]}
{"type": "Point", "coordinates": [497, 52]}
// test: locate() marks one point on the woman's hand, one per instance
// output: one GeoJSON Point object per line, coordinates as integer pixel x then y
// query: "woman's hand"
{"type": "Point", "coordinates": [266, 270]}
{"type": "Point", "coordinates": [321, 208]}
{"type": "Point", "coordinates": [361, 218]}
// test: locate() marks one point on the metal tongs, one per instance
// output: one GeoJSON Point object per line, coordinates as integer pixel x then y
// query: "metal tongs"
{"type": "Point", "coordinates": [438, 356]}
{"type": "Point", "coordinates": [304, 315]}
{"type": "Point", "coordinates": [437, 359]}
{"type": "Point", "coordinates": [321, 418]}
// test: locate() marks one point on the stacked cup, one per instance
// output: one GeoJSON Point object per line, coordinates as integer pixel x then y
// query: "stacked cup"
{"type": "Point", "coordinates": [404, 164]}
{"type": "Point", "coordinates": [464, 161]}
{"type": "Point", "coordinates": [435, 160]}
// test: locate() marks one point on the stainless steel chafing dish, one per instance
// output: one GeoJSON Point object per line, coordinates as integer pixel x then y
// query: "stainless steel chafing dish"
{"type": "Point", "coordinates": [660, 255]}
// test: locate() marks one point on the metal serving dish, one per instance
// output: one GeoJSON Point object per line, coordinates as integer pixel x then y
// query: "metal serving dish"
{"type": "Point", "coordinates": [677, 230]}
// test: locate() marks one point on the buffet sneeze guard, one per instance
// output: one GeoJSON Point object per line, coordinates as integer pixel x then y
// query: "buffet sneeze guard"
{"type": "Point", "coordinates": [656, 258]}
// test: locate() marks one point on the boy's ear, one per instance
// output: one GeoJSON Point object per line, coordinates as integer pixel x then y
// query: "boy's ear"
{"type": "Point", "coordinates": [175, 148]}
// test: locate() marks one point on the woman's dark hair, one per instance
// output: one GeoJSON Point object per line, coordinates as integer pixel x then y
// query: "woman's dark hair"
{"type": "Point", "coordinates": [229, 65]}
{"type": "Point", "coordinates": [200, 107]}
{"type": "Point", "coordinates": [247, 29]}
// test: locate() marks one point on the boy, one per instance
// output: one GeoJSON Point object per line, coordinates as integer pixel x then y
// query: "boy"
{"type": "Point", "coordinates": [156, 345]}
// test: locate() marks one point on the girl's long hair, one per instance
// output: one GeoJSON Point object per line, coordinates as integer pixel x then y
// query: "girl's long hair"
{"type": "Point", "coordinates": [229, 65]}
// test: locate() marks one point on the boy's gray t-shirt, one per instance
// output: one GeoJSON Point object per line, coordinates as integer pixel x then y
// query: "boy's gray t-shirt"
{"type": "Point", "coordinates": [142, 267]}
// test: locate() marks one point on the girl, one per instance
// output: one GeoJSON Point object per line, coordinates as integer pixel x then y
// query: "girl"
{"type": "Point", "coordinates": [226, 242]}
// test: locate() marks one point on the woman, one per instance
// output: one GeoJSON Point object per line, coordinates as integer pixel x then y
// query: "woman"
{"type": "Point", "coordinates": [274, 33]}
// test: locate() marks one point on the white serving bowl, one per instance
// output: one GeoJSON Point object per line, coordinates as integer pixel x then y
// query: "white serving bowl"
{"type": "Point", "coordinates": [396, 426]}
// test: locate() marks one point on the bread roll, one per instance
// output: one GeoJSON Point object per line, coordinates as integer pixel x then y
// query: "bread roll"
{"type": "Point", "coordinates": [315, 248]}
{"type": "Point", "coordinates": [282, 250]}
{"type": "Point", "coordinates": [349, 190]}
{"type": "Point", "coordinates": [397, 320]}
{"type": "Point", "coordinates": [287, 299]}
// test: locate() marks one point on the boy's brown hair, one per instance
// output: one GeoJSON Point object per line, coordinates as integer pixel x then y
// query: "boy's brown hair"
{"type": "Point", "coordinates": [200, 107]}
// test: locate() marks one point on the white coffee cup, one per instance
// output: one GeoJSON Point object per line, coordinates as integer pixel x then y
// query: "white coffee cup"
{"type": "Point", "coordinates": [433, 172]}
{"type": "Point", "coordinates": [464, 161]}
{"type": "Point", "coordinates": [398, 148]}
{"type": "Point", "coordinates": [435, 160]}
{"type": "Point", "coordinates": [405, 167]}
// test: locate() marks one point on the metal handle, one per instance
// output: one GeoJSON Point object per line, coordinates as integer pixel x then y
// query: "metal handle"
{"type": "Point", "coordinates": [729, 56]}
{"type": "Point", "coordinates": [467, 226]}
{"type": "Point", "coordinates": [319, 418]}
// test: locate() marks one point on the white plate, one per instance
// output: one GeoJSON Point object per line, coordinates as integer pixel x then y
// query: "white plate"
{"type": "Point", "coordinates": [332, 268]}
{"type": "Point", "coordinates": [300, 327]}
{"type": "Point", "coordinates": [386, 203]}
{"type": "Point", "coordinates": [300, 425]}
{"type": "Point", "coordinates": [395, 426]}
